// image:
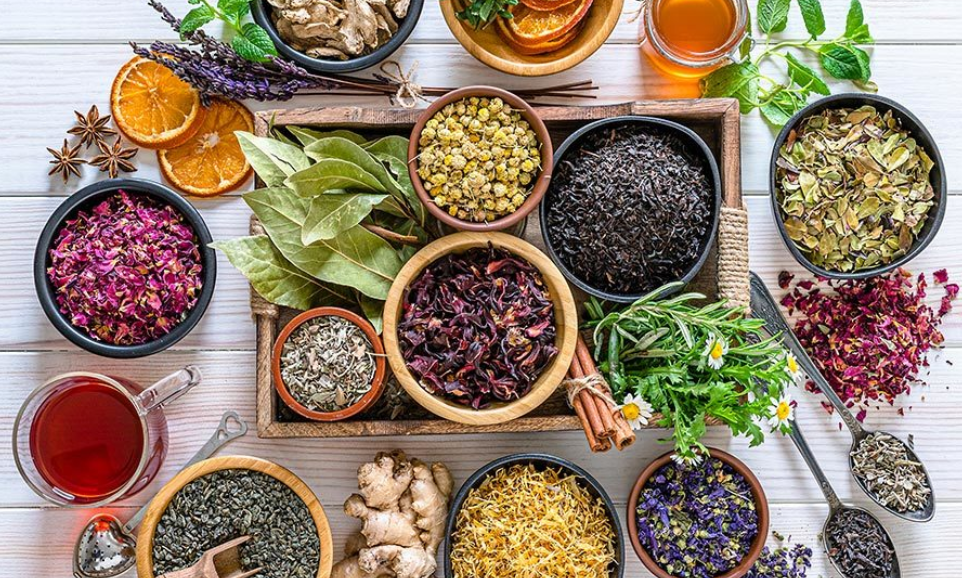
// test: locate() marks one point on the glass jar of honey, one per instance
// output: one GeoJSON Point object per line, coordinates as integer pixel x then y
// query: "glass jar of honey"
{"type": "Point", "coordinates": [691, 38]}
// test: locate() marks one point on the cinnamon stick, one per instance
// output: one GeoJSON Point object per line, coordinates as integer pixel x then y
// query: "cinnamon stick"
{"type": "Point", "coordinates": [588, 403]}
{"type": "Point", "coordinates": [623, 436]}
{"type": "Point", "coordinates": [604, 409]}
{"type": "Point", "coordinates": [587, 413]}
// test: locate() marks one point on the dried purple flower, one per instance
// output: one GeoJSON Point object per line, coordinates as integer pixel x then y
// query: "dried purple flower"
{"type": "Point", "coordinates": [697, 521]}
{"type": "Point", "coordinates": [127, 271]}
{"type": "Point", "coordinates": [791, 562]}
{"type": "Point", "coordinates": [478, 327]}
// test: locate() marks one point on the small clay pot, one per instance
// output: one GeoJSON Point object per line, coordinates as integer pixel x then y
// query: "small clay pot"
{"type": "Point", "coordinates": [540, 183]}
{"type": "Point", "coordinates": [366, 401]}
{"type": "Point", "coordinates": [761, 506]}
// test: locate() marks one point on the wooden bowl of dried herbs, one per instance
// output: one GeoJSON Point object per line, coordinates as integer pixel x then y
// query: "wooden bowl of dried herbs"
{"type": "Point", "coordinates": [480, 328]}
{"type": "Point", "coordinates": [857, 186]}
{"type": "Point", "coordinates": [328, 364]}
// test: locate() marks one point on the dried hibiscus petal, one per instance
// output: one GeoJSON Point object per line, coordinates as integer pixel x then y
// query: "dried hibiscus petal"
{"type": "Point", "coordinates": [127, 271]}
{"type": "Point", "coordinates": [478, 327]}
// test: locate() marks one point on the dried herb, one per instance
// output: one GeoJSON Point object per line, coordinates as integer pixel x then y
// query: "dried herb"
{"type": "Point", "coordinates": [853, 188]}
{"type": "Point", "coordinates": [327, 364]}
{"type": "Point", "coordinates": [229, 504]}
{"type": "Point", "coordinates": [114, 158]}
{"type": "Point", "coordinates": [478, 327]}
{"type": "Point", "coordinates": [883, 464]}
{"type": "Point", "coordinates": [66, 161]}
{"type": "Point", "coordinates": [127, 271]}
{"type": "Point", "coordinates": [691, 363]}
{"type": "Point", "coordinates": [92, 129]}
{"type": "Point", "coordinates": [630, 208]}
{"type": "Point", "coordinates": [782, 562]}
{"type": "Point", "coordinates": [842, 58]}
{"type": "Point", "coordinates": [525, 522]}
{"type": "Point", "coordinates": [847, 327]}
{"type": "Point", "coordinates": [858, 544]}
{"type": "Point", "coordinates": [699, 521]}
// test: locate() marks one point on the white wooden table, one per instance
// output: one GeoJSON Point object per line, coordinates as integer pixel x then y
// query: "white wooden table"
{"type": "Point", "coordinates": [57, 56]}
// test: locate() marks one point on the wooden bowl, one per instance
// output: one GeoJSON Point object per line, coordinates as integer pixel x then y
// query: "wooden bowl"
{"type": "Point", "coordinates": [761, 506]}
{"type": "Point", "coordinates": [366, 401]}
{"type": "Point", "coordinates": [540, 184]}
{"type": "Point", "coordinates": [566, 321]}
{"type": "Point", "coordinates": [157, 507]}
{"type": "Point", "coordinates": [487, 46]}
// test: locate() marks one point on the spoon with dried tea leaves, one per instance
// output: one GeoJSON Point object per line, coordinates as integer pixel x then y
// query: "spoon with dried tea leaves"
{"type": "Point", "coordinates": [107, 547]}
{"type": "Point", "coordinates": [764, 307]}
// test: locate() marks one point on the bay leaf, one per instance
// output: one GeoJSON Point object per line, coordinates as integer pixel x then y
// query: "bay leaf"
{"type": "Point", "coordinates": [275, 278]}
{"type": "Point", "coordinates": [307, 135]}
{"type": "Point", "coordinates": [328, 174]}
{"type": "Point", "coordinates": [374, 311]}
{"type": "Point", "coordinates": [355, 258]}
{"type": "Point", "coordinates": [329, 215]}
{"type": "Point", "coordinates": [341, 148]}
{"type": "Point", "coordinates": [393, 150]}
{"type": "Point", "coordinates": [273, 160]}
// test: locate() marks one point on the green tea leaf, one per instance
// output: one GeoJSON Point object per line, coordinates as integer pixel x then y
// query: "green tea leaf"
{"type": "Point", "coordinates": [195, 19]}
{"type": "Point", "coordinates": [772, 15]}
{"type": "Point", "coordinates": [855, 18]}
{"type": "Point", "coordinates": [374, 311]}
{"type": "Point", "coordinates": [805, 77]}
{"type": "Point", "coordinates": [739, 80]}
{"type": "Point", "coordinates": [275, 278]}
{"type": "Point", "coordinates": [843, 61]}
{"type": "Point", "coordinates": [355, 258]}
{"type": "Point", "coordinates": [306, 135]}
{"type": "Point", "coordinates": [340, 148]}
{"type": "Point", "coordinates": [813, 16]}
{"type": "Point", "coordinates": [330, 215]}
{"type": "Point", "coordinates": [273, 160]}
{"type": "Point", "coordinates": [329, 174]}
{"type": "Point", "coordinates": [258, 37]}
{"type": "Point", "coordinates": [234, 8]}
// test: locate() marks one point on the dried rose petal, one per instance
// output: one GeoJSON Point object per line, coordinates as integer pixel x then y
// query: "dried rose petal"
{"type": "Point", "coordinates": [126, 272]}
{"type": "Point", "coordinates": [941, 276]}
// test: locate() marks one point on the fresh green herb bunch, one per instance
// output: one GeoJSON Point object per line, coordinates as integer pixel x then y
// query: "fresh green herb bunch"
{"type": "Point", "coordinates": [250, 41]}
{"type": "Point", "coordinates": [481, 12]}
{"type": "Point", "coordinates": [691, 363]}
{"type": "Point", "coordinates": [842, 58]}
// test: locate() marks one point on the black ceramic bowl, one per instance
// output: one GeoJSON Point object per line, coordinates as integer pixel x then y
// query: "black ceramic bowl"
{"type": "Point", "coordinates": [261, 10]}
{"type": "Point", "coordinates": [918, 131]}
{"type": "Point", "coordinates": [85, 199]}
{"type": "Point", "coordinates": [686, 134]}
{"type": "Point", "coordinates": [540, 461]}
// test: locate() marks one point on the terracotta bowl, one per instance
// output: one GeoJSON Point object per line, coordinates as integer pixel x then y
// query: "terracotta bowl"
{"type": "Point", "coordinates": [487, 45]}
{"type": "Point", "coordinates": [157, 507]}
{"type": "Point", "coordinates": [761, 506]}
{"type": "Point", "coordinates": [540, 184]}
{"type": "Point", "coordinates": [566, 321]}
{"type": "Point", "coordinates": [368, 399]}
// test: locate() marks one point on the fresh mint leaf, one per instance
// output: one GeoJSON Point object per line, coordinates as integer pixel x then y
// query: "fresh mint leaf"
{"type": "Point", "coordinates": [842, 62]}
{"type": "Point", "coordinates": [805, 77]}
{"type": "Point", "coordinates": [813, 16]}
{"type": "Point", "coordinates": [772, 15]}
{"type": "Point", "coordinates": [738, 80]}
{"type": "Point", "coordinates": [194, 2]}
{"type": "Point", "coordinates": [234, 8]}
{"type": "Point", "coordinates": [195, 19]}
{"type": "Point", "coordinates": [861, 35]}
{"type": "Point", "coordinates": [780, 109]}
{"type": "Point", "coordinates": [855, 18]}
{"type": "Point", "coordinates": [259, 38]}
{"type": "Point", "coordinates": [247, 49]}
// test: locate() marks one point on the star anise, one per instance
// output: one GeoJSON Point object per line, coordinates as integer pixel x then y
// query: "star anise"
{"type": "Point", "coordinates": [113, 159]}
{"type": "Point", "coordinates": [92, 129]}
{"type": "Point", "coordinates": [66, 161]}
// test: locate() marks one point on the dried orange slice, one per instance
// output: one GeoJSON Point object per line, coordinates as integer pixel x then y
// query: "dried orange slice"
{"type": "Point", "coordinates": [532, 27]}
{"type": "Point", "coordinates": [546, 5]}
{"type": "Point", "coordinates": [211, 162]}
{"type": "Point", "coordinates": [544, 47]}
{"type": "Point", "coordinates": [152, 107]}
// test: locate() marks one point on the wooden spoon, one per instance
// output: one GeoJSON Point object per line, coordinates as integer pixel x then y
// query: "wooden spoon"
{"type": "Point", "coordinates": [219, 562]}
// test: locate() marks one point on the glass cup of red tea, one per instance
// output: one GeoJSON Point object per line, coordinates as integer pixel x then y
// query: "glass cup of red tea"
{"type": "Point", "coordinates": [86, 439]}
{"type": "Point", "coordinates": [691, 38]}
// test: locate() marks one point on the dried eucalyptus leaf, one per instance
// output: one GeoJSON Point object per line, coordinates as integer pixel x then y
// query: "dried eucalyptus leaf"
{"type": "Point", "coordinates": [332, 214]}
{"type": "Point", "coordinates": [273, 161]}
{"type": "Point", "coordinates": [329, 174]}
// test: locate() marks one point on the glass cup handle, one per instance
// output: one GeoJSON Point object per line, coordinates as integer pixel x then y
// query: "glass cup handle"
{"type": "Point", "coordinates": [169, 388]}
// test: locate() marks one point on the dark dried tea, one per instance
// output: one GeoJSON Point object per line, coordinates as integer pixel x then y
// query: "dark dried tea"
{"type": "Point", "coordinates": [859, 545]}
{"type": "Point", "coordinates": [630, 208]}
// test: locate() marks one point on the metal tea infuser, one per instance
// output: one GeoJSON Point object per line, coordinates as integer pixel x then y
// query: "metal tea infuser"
{"type": "Point", "coordinates": [107, 547]}
{"type": "Point", "coordinates": [764, 307]}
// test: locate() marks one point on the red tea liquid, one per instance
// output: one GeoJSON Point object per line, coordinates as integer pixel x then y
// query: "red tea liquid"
{"type": "Point", "coordinates": [87, 439]}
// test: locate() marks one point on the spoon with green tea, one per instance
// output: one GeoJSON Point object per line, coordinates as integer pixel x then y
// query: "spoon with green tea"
{"type": "Point", "coordinates": [764, 307]}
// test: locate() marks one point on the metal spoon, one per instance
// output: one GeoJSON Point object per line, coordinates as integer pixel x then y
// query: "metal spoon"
{"type": "Point", "coordinates": [765, 308]}
{"type": "Point", "coordinates": [835, 505]}
{"type": "Point", "coordinates": [106, 547]}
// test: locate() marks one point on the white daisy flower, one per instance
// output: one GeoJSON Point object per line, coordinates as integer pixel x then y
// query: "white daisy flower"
{"type": "Point", "coordinates": [715, 350]}
{"type": "Point", "coordinates": [791, 366]}
{"type": "Point", "coordinates": [782, 412]}
{"type": "Point", "coordinates": [686, 461]}
{"type": "Point", "coordinates": [636, 410]}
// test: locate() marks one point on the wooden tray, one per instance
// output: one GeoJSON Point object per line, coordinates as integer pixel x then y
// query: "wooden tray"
{"type": "Point", "coordinates": [715, 120]}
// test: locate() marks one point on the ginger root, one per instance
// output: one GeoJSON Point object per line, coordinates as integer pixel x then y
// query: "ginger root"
{"type": "Point", "coordinates": [403, 505]}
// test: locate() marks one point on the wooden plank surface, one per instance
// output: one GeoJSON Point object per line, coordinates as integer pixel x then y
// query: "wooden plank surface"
{"type": "Point", "coordinates": [58, 56]}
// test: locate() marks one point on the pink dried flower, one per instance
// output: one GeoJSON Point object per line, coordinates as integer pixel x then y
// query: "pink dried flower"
{"type": "Point", "coordinates": [941, 276]}
{"type": "Point", "coordinates": [126, 272]}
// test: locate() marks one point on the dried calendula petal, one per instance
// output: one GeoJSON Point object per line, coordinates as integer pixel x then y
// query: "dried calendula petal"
{"type": "Point", "coordinates": [853, 188]}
